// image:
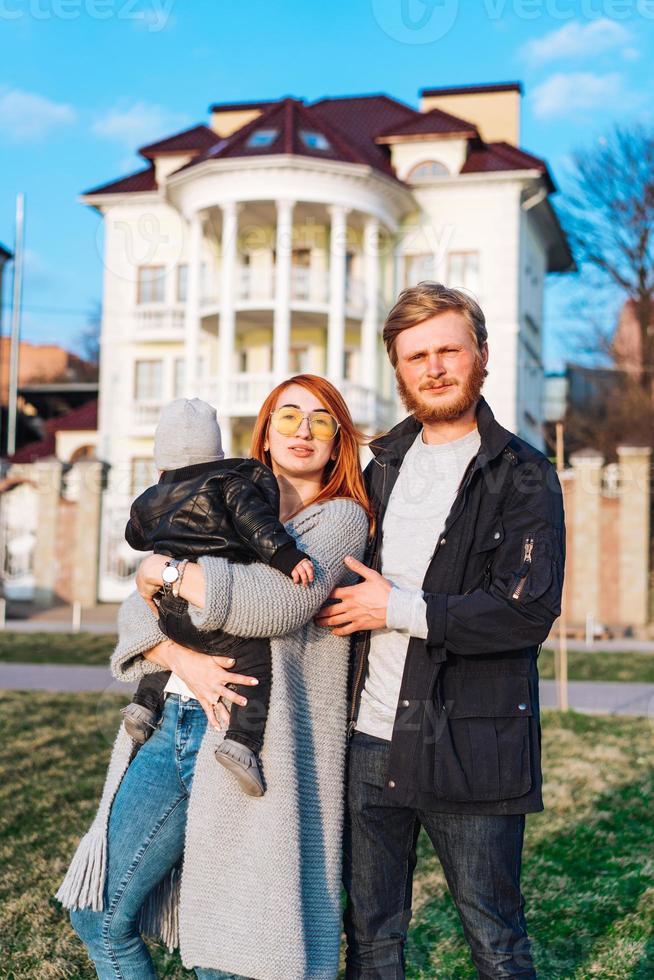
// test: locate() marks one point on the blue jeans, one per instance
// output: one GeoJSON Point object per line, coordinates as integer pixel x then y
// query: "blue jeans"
{"type": "Point", "coordinates": [145, 840]}
{"type": "Point", "coordinates": [480, 855]}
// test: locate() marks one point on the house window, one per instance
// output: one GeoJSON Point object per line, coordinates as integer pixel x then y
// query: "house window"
{"type": "Point", "coordinates": [314, 141]}
{"type": "Point", "coordinates": [148, 377]}
{"type": "Point", "coordinates": [463, 271]}
{"type": "Point", "coordinates": [151, 283]}
{"type": "Point", "coordinates": [418, 268]}
{"type": "Point", "coordinates": [348, 365]}
{"type": "Point", "coordinates": [179, 377]}
{"type": "Point", "coordinates": [427, 170]}
{"type": "Point", "coordinates": [299, 360]}
{"type": "Point", "coordinates": [143, 473]}
{"type": "Point", "coordinates": [182, 283]}
{"type": "Point", "coordinates": [242, 361]}
{"type": "Point", "coordinates": [262, 137]}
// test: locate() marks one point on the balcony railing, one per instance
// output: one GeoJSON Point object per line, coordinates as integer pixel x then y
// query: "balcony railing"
{"type": "Point", "coordinates": [367, 407]}
{"type": "Point", "coordinates": [145, 415]}
{"type": "Point", "coordinates": [254, 284]}
{"type": "Point", "coordinates": [157, 320]}
{"type": "Point", "coordinates": [244, 395]}
{"type": "Point", "coordinates": [308, 285]}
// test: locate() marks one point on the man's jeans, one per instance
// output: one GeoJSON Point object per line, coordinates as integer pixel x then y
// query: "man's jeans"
{"type": "Point", "coordinates": [480, 856]}
{"type": "Point", "coordinates": [145, 840]}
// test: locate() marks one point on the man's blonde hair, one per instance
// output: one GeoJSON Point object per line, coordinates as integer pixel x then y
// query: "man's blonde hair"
{"type": "Point", "coordinates": [418, 303]}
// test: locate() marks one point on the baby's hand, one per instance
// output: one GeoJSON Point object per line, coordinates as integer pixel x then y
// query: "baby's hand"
{"type": "Point", "coordinates": [302, 574]}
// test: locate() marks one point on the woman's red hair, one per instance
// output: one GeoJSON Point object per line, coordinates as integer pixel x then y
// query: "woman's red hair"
{"type": "Point", "coordinates": [343, 476]}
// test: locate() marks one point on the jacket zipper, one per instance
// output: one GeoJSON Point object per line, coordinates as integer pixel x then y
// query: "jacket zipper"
{"type": "Point", "coordinates": [362, 661]}
{"type": "Point", "coordinates": [528, 548]}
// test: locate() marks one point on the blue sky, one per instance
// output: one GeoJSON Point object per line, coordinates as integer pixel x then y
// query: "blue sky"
{"type": "Point", "coordinates": [84, 82]}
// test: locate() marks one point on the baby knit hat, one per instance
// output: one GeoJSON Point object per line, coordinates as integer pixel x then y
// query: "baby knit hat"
{"type": "Point", "coordinates": [187, 433]}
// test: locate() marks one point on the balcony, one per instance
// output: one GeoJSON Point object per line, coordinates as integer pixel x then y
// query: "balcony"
{"type": "Point", "coordinates": [144, 417]}
{"type": "Point", "coordinates": [244, 395]}
{"type": "Point", "coordinates": [368, 408]}
{"type": "Point", "coordinates": [246, 392]}
{"type": "Point", "coordinates": [158, 321]}
{"type": "Point", "coordinates": [308, 286]}
{"type": "Point", "coordinates": [254, 286]}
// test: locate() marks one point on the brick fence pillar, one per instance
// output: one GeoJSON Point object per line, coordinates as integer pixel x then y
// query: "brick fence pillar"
{"type": "Point", "coordinates": [633, 519]}
{"type": "Point", "coordinates": [46, 474]}
{"type": "Point", "coordinates": [88, 479]}
{"type": "Point", "coordinates": [584, 536]}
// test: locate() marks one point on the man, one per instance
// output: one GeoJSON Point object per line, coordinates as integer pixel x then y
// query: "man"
{"type": "Point", "coordinates": [463, 585]}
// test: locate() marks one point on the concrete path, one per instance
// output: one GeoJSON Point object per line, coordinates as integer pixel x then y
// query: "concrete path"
{"type": "Point", "coordinates": [58, 677]}
{"type": "Point", "coordinates": [603, 697]}
{"type": "Point", "coordinates": [603, 646]}
{"type": "Point", "coordinates": [593, 697]}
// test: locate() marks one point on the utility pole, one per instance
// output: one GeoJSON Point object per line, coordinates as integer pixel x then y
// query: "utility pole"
{"type": "Point", "coordinates": [12, 407]}
{"type": "Point", "coordinates": [561, 654]}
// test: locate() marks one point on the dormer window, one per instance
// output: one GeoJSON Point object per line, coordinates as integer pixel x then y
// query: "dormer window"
{"type": "Point", "coordinates": [262, 137]}
{"type": "Point", "coordinates": [314, 141]}
{"type": "Point", "coordinates": [427, 170]}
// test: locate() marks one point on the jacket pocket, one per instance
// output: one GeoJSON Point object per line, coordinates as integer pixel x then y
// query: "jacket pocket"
{"type": "Point", "coordinates": [483, 750]}
{"type": "Point", "coordinates": [535, 574]}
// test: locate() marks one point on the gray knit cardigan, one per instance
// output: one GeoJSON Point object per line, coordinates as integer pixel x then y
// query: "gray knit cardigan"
{"type": "Point", "coordinates": [260, 888]}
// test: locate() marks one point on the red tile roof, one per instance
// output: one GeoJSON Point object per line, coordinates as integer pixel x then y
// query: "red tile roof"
{"type": "Point", "coordinates": [433, 123]}
{"type": "Point", "coordinates": [473, 89]}
{"type": "Point", "coordinates": [79, 419]}
{"type": "Point", "coordinates": [143, 180]}
{"type": "Point", "coordinates": [492, 157]}
{"type": "Point", "coordinates": [356, 129]}
{"type": "Point", "coordinates": [363, 117]}
{"type": "Point", "coordinates": [288, 120]}
{"type": "Point", "coordinates": [196, 139]}
{"type": "Point", "coordinates": [240, 106]}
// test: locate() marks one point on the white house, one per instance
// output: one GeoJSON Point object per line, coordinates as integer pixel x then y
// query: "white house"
{"type": "Point", "coordinates": [274, 240]}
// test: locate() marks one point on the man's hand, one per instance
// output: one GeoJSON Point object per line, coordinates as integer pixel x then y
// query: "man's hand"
{"type": "Point", "coordinates": [361, 607]}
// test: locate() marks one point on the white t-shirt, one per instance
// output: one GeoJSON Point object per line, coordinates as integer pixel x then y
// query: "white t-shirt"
{"type": "Point", "coordinates": [418, 507]}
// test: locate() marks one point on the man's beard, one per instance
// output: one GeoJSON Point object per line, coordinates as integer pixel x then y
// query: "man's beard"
{"type": "Point", "coordinates": [468, 395]}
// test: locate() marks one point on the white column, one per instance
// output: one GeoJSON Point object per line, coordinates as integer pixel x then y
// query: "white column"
{"type": "Point", "coordinates": [369, 325]}
{"type": "Point", "coordinates": [282, 323]}
{"type": "Point", "coordinates": [227, 325]}
{"type": "Point", "coordinates": [192, 309]}
{"type": "Point", "coordinates": [336, 322]}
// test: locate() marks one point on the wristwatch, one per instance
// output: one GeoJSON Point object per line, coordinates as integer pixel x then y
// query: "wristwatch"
{"type": "Point", "coordinates": [170, 575]}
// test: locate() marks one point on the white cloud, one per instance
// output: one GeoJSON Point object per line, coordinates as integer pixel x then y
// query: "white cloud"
{"type": "Point", "coordinates": [140, 123]}
{"type": "Point", "coordinates": [26, 116]}
{"type": "Point", "coordinates": [564, 94]}
{"type": "Point", "coordinates": [577, 40]}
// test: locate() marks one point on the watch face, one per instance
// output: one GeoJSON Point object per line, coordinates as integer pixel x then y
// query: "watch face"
{"type": "Point", "coordinates": [170, 574]}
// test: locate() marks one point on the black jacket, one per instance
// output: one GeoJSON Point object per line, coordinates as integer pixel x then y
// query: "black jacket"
{"type": "Point", "coordinates": [228, 509]}
{"type": "Point", "coordinates": [466, 737]}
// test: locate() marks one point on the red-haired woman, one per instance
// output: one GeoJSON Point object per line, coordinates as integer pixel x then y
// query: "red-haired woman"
{"type": "Point", "coordinates": [259, 895]}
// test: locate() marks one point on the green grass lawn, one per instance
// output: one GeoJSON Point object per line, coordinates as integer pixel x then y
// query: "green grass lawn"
{"type": "Point", "coordinates": [56, 648]}
{"type": "Point", "coordinates": [588, 870]}
{"type": "Point", "coordinates": [585, 665]}
{"type": "Point", "coordinates": [92, 648]}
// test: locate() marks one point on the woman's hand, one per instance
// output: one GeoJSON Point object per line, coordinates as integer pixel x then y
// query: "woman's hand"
{"type": "Point", "coordinates": [148, 579]}
{"type": "Point", "coordinates": [206, 676]}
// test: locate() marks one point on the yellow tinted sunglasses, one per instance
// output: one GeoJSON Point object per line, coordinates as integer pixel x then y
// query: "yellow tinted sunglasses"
{"type": "Point", "coordinates": [322, 425]}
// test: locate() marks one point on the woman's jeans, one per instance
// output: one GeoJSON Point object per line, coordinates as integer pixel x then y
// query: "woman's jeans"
{"type": "Point", "coordinates": [145, 840]}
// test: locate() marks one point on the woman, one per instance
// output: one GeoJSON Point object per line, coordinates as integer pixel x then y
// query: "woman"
{"type": "Point", "coordinates": [260, 889]}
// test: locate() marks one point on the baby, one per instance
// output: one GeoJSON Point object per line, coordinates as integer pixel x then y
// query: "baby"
{"type": "Point", "coordinates": [205, 504]}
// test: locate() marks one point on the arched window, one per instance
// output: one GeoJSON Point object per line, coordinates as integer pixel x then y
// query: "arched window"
{"type": "Point", "coordinates": [426, 170]}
